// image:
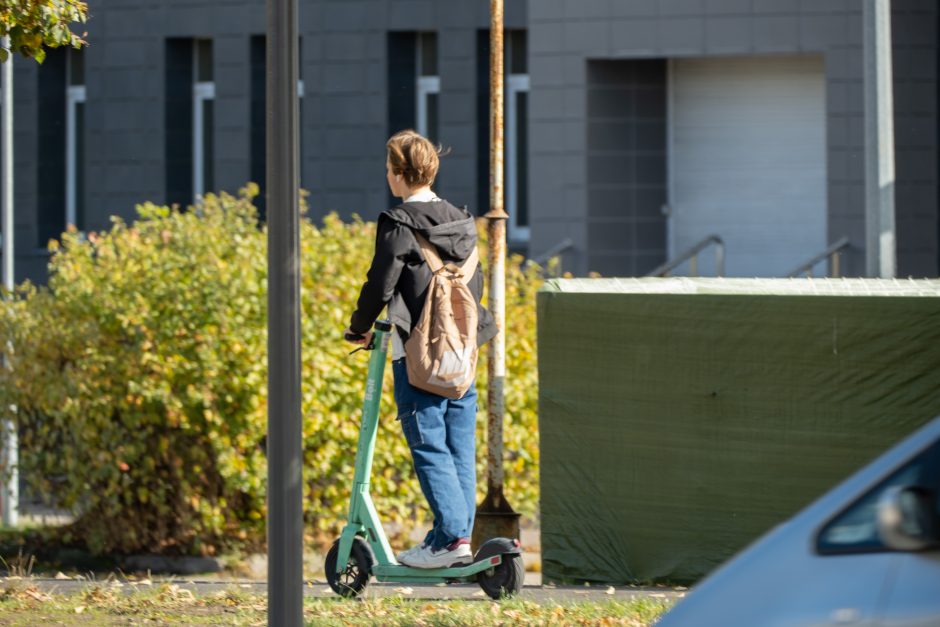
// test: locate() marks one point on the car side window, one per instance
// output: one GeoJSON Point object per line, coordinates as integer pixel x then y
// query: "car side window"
{"type": "Point", "coordinates": [854, 530]}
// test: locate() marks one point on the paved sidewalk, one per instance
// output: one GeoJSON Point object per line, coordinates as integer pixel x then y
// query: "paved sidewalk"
{"type": "Point", "coordinates": [318, 588]}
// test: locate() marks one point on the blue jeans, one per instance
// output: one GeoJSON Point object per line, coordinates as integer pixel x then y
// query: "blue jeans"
{"type": "Point", "coordinates": [441, 434]}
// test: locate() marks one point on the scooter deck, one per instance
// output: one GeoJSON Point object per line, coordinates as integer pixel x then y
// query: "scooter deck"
{"type": "Point", "coordinates": [401, 573]}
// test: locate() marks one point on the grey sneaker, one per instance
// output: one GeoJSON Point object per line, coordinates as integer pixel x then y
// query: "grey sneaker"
{"type": "Point", "coordinates": [456, 553]}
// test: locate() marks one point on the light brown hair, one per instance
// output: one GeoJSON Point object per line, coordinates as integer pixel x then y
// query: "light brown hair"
{"type": "Point", "coordinates": [413, 157]}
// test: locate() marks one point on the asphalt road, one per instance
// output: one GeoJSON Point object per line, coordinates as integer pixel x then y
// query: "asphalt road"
{"type": "Point", "coordinates": [318, 588]}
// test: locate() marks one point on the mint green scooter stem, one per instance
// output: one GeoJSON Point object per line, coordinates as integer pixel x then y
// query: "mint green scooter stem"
{"type": "Point", "coordinates": [363, 519]}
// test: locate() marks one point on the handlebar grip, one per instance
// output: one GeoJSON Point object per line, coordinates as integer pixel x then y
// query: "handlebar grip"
{"type": "Point", "coordinates": [352, 337]}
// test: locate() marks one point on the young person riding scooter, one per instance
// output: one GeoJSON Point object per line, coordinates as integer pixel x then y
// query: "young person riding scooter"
{"type": "Point", "coordinates": [440, 431]}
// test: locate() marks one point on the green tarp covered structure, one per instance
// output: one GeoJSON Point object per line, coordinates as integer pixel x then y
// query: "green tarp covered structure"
{"type": "Point", "coordinates": [682, 418]}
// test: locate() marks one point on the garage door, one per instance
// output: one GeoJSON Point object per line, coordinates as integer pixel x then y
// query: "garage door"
{"type": "Point", "coordinates": [747, 160]}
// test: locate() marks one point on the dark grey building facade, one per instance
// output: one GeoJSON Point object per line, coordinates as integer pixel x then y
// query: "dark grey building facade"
{"type": "Point", "coordinates": [636, 127]}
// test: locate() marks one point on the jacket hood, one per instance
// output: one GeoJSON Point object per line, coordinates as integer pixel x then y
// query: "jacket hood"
{"type": "Point", "coordinates": [451, 230]}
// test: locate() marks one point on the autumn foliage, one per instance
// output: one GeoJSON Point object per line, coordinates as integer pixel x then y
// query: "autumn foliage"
{"type": "Point", "coordinates": [35, 25]}
{"type": "Point", "coordinates": [139, 375]}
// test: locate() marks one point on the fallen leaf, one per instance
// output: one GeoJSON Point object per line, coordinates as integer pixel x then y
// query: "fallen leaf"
{"type": "Point", "coordinates": [79, 609]}
{"type": "Point", "coordinates": [36, 594]}
{"type": "Point", "coordinates": [479, 593]}
{"type": "Point", "coordinates": [61, 575]}
{"type": "Point", "coordinates": [610, 590]}
{"type": "Point", "coordinates": [405, 590]}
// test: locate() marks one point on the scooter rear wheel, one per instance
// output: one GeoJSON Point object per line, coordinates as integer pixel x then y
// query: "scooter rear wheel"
{"type": "Point", "coordinates": [505, 580]}
{"type": "Point", "coordinates": [353, 579]}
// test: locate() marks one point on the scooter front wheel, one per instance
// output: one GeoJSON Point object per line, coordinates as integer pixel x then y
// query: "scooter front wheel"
{"type": "Point", "coordinates": [504, 580]}
{"type": "Point", "coordinates": [353, 579]}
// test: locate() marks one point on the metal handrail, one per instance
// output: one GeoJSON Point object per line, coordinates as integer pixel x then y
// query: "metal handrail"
{"type": "Point", "coordinates": [554, 251]}
{"type": "Point", "coordinates": [691, 255]}
{"type": "Point", "coordinates": [834, 253]}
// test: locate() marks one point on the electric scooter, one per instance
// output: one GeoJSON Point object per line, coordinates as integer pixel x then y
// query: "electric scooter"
{"type": "Point", "coordinates": [362, 550]}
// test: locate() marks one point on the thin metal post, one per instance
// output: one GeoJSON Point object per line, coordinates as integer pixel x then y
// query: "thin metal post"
{"type": "Point", "coordinates": [496, 230]}
{"type": "Point", "coordinates": [494, 516]}
{"type": "Point", "coordinates": [285, 507]}
{"type": "Point", "coordinates": [880, 245]}
{"type": "Point", "coordinates": [9, 486]}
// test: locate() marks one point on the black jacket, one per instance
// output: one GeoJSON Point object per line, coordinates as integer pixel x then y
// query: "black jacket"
{"type": "Point", "coordinates": [399, 276]}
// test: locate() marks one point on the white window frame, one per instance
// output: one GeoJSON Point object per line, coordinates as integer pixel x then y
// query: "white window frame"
{"type": "Point", "coordinates": [202, 92]}
{"type": "Point", "coordinates": [427, 85]}
{"type": "Point", "coordinates": [515, 84]}
{"type": "Point", "coordinates": [75, 95]}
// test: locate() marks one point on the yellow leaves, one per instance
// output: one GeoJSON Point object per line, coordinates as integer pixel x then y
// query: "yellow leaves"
{"type": "Point", "coordinates": [150, 343]}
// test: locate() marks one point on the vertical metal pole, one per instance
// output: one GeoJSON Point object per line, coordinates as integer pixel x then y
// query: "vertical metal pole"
{"type": "Point", "coordinates": [880, 246]}
{"type": "Point", "coordinates": [496, 231]}
{"type": "Point", "coordinates": [285, 507]}
{"type": "Point", "coordinates": [9, 492]}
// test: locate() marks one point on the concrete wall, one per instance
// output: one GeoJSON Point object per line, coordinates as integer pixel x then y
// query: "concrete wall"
{"type": "Point", "coordinates": [626, 165]}
{"type": "Point", "coordinates": [565, 34]}
{"type": "Point", "coordinates": [344, 114]}
{"type": "Point", "coordinates": [345, 111]}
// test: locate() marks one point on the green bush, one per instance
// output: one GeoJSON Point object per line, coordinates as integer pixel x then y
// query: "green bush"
{"type": "Point", "coordinates": [139, 374]}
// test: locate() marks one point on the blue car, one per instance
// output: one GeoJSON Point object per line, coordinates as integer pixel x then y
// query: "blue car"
{"type": "Point", "coordinates": [866, 553]}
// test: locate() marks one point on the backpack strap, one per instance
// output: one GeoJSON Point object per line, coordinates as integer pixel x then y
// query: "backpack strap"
{"type": "Point", "coordinates": [434, 261]}
{"type": "Point", "coordinates": [469, 266]}
{"type": "Point", "coordinates": [430, 253]}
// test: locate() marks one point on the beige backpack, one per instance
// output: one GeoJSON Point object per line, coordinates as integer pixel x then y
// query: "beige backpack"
{"type": "Point", "coordinates": [441, 352]}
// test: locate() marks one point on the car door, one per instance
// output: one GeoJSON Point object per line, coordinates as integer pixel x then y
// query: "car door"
{"type": "Point", "coordinates": [911, 594]}
{"type": "Point", "coordinates": [913, 599]}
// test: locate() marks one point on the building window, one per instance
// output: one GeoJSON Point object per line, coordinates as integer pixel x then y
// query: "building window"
{"type": "Point", "coordinates": [52, 84]}
{"type": "Point", "coordinates": [75, 141]}
{"type": "Point", "coordinates": [402, 74]}
{"type": "Point", "coordinates": [515, 132]}
{"type": "Point", "coordinates": [516, 135]}
{"type": "Point", "coordinates": [178, 121]}
{"type": "Point", "coordinates": [428, 86]}
{"type": "Point", "coordinates": [203, 117]}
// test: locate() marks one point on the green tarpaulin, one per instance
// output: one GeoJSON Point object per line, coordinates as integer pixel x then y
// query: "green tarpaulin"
{"type": "Point", "coordinates": [682, 418]}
